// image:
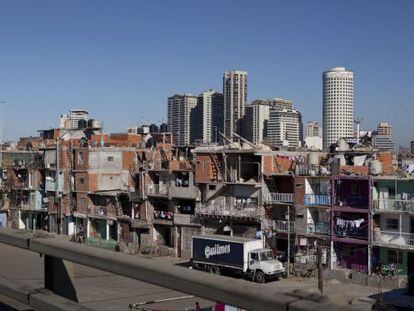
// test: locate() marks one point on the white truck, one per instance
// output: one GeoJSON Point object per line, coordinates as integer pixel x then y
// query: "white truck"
{"type": "Point", "coordinates": [220, 253]}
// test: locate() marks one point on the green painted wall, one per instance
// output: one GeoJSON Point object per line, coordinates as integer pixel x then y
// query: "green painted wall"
{"type": "Point", "coordinates": [402, 268]}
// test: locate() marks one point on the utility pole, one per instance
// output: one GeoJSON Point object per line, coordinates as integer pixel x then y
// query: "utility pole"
{"type": "Point", "coordinates": [1, 133]}
{"type": "Point", "coordinates": [319, 264]}
{"type": "Point", "coordinates": [288, 248]}
{"type": "Point", "coordinates": [57, 194]}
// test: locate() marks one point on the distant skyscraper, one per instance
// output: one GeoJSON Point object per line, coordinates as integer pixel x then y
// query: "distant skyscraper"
{"type": "Point", "coordinates": [338, 105]}
{"type": "Point", "coordinates": [202, 121]}
{"type": "Point", "coordinates": [217, 116]}
{"type": "Point", "coordinates": [235, 100]}
{"type": "Point", "coordinates": [313, 129]}
{"type": "Point", "coordinates": [257, 118]}
{"type": "Point", "coordinates": [384, 129]}
{"type": "Point", "coordinates": [180, 114]}
{"type": "Point", "coordinates": [284, 127]}
{"type": "Point", "coordinates": [76, 115]}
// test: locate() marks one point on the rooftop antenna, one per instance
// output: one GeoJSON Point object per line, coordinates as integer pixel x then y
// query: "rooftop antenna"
{"type": "Point", "coordinates": [358, 121]}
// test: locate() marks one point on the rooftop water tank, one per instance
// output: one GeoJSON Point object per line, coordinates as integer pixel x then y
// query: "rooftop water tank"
{"type": "Point", "coordinates": [375, 167]}
{"type": "Point", "coordinates": [94, 124]}
{"type": "Point", "coordinates": [342, 145]}
{"type": "Point", "coordinates": [313, 158]}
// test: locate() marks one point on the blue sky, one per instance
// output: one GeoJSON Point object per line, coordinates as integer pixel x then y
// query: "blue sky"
{"type": "Point", "coordinates": [122, 59]}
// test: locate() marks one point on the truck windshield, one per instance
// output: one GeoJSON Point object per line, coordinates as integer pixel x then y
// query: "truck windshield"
{"type": "Point", "coordinates": [266, 256]}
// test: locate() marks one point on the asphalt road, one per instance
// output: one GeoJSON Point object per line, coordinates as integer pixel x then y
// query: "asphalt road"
{"type": "Point", "coordinates": [106, 291]}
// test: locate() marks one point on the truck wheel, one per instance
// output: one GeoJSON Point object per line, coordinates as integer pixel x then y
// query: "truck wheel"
{"type": "Point", "coordinates": [259, 277]}
{"type": "Point", "coordinates": [214, 270]}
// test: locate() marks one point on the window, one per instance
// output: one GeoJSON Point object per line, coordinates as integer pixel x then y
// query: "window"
{"type": "Point", "coordinates": [111, 159]}
{"type": "Point", "coordinates": [81, 180]}
{"type": "Point", "coordinates": [80, 157]}
{"type": "Point", "coordinates": [392, 224]}
{"type": "Point", "coordinates": [82, 202]}
{"type": "Point", "coordinates": [395, 257]}
{"type": "Point", "coordinates": [211, 187]}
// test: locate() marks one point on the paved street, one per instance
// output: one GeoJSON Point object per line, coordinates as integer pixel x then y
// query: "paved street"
{"type": "Point", "coordinates": [106, 291]}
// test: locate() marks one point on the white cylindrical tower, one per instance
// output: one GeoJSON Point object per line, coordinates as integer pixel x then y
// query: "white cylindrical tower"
{"type": "Point", "coordinates": [338, 105]}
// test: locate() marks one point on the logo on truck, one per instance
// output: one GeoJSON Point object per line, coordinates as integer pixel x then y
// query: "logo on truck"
{"type": "Point", "coordinates": [216, 250]}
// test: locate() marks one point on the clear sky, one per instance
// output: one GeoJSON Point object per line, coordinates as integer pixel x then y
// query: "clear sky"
{"type": "Point", "coordinates": [122, 59]}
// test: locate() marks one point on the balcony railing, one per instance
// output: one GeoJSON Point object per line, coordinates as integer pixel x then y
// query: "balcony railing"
{"type": "Point", "coordinates": [360, 202]}
{"type": "Point", "coordinates": [394, 238]}
{"type": "Point", "coordinates": [312, 170]}
{"type": "Point", "coordinates": [163, 215]}
{"type": "Point", "coordinates": [248, 210]}
{"type": "Point", "coordinates": [319, 228]}
{"type": "Point", "coordinates": [322, 199]}
{"type": "Point", "coordinates": [278, 197]}
{"type": "Point", "coordinates": [284, 226]}
{"type": "Point", "coordinates": [354, 233]}
{"type": "Point", "coordinates": [394, 205]}
{"type": "Point", "coordinates": [156, 189]}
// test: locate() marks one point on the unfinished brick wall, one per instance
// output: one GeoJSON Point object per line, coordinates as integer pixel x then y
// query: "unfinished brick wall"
{"type": "Point", "coordinates": [81, 159]}
{"type": "Point", "coordinates": [81, 181]}
{"type": "Point", "coordinates": [300, 189]}
{"type": "Point", "coordinates": [351, 169]}
{"type": "Point", "coordinates": [203, 168]}
{"type": "Point", "coordinates": [386, 160]}
{"type": "Point", "coordinates": [271, 164]}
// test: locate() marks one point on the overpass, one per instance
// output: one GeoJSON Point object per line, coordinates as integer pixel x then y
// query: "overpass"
{"type": "Point", "coordinates": [59, 291]}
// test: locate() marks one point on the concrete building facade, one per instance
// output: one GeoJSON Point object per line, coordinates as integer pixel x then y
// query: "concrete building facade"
{"type": "Point", "coordinates": [180, 115]}
{"type": "Point", "coordinates": [338, 105]}
{"type": "Point", "coordinates": [235, 100]}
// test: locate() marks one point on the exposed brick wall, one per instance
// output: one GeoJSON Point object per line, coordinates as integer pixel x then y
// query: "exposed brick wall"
{"type": "Point", "coordinates": [85, 155]}
{"type": "Point", "coordinates": [299, 190]}
{"type": "Point", "coordinates": [386, 160]}
{"type": "Point", "coordinates": [270, 164]}
{"type": "Point", "coordinates": [79, 186]}
{"type": "Point", "coordinates": [203, 168]}
{"type": "Point", "coordinates": [351, 169]}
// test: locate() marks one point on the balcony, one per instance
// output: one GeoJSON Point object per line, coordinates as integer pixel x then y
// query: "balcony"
{"type": "Point", "coordinates": [358, 202]}
{"type": "Point", "coordinates": [319, 228]}
{"type": "Point", "coordinates": [285, 226]}
{"type": "Point", "coordinates": [156, 190]}
{"type": "Point", "coordinates": [163, 217]}
{"type": "Point", "coordinates": [394, 205]}
{"type": "Point", "coordinates": [322, 199]}
{"type": "Point", "coordinates": [392, 238]}
{"type": "Point", "coordinates": [278, 197]}
{"type": "Point", "coordinates": [351, 233]}
{"type": "Point", "coordinates": [235, 211]}
{"type": "Point", "coordinates": [190, 192]}
{"type": "Point", "coordinates": [312, 170]}
{"type": "Point", "coordinates": [186, 219]}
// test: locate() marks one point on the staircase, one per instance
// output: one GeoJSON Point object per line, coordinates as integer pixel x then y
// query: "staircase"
{"type": "Point", "coordinates": [118, 207]}
{"type": "Point", "coordinates": [216, 168]}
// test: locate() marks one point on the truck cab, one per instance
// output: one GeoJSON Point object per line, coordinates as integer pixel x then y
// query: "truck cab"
{"type": "Point", "coordinates": [263, 266]}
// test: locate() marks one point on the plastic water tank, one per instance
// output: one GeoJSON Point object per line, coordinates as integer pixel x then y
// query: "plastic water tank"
{"type": "Point", "coordinates": [375, 167]}
{"type": "Point", "coordinates": [342, 145]}
{"type": "Point", "coordinates": [313, 158]}
{"type": "Point", "coordinates": [94, 124]}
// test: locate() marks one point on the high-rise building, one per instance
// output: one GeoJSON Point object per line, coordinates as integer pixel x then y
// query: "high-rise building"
{"type": "Point", "coordinates": [76, 115]}
{"type": "Point", "coordinates": [235, 99]}
{"type": "Point", "coordinates": [257, 118]}
{"type": "Point", "coordinates": [338, 105]}
{"type": "Point", "coordinates": [313, 129]}
{"type": "Point", "coordinates": [284, 127]}
{"type": "Point", "coordinates": [202, 121]}
{"type": "Point", "coordinates": [180, 115]}
{"type": "Point", "coordinates": [384, 129]}
{"type": "Point", "coordinates": [217, 116]}
{"type": "Point", "coordinates": [277, 102]}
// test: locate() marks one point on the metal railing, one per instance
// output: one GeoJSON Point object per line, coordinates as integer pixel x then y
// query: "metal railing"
{"type": "Point", "coordinates": [247, 210]}
{"type": "Point", "coordinates": [209, 286]}
{"type": "Point", "coordinates": [312, 170]}
{"type": "Point", "coordinates": [319, 228]}
{"type": "Point", "coordinates": [322, 199]}
{"type": "Point", "coordinates": [278, 197]}
{"type": "Point", "coordinates": [393, 205]}
{"type": "Point", "coordinates": [156, 189]}
{"type": "Point", "coordinates": [285, 226]}
{"type": "Point", "coordinates": [394, 238]}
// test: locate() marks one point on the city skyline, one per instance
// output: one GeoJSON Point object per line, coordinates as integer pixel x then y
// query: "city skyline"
{"type": "Point", "coordinates": [95, 68]}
